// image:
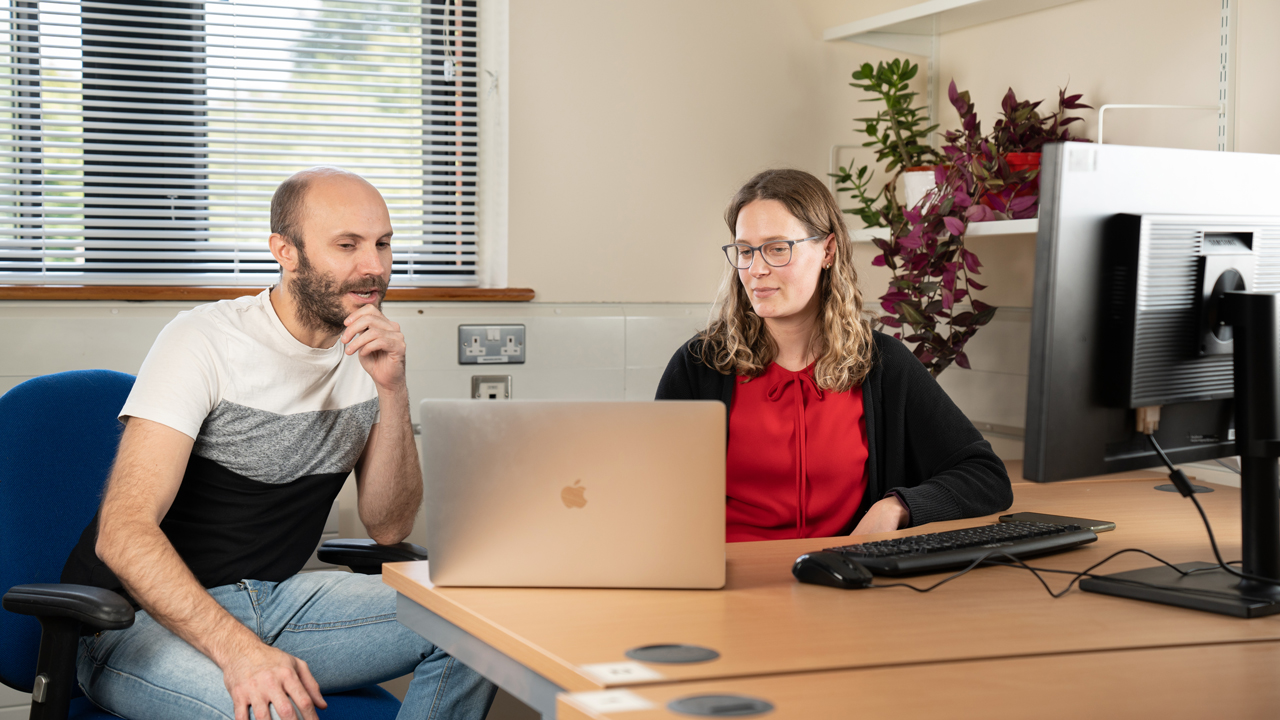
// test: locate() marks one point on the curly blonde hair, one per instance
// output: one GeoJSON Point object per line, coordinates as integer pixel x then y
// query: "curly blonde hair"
{"type": "Point", "coordinates": [736, 340]}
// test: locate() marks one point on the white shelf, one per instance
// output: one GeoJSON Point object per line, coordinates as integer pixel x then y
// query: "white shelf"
{"type": "Point", "coordinates": [911, 29]}
{"type": "Point", "coordinates": [1029, 226]}
{"type": "Point", "coordinates": [979, 229]}
{"type": "Point", "coordinates": [869, 234]}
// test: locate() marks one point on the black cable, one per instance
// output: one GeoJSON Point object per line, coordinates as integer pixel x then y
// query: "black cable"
{"type": "Point", "coordinates": [1184, 486]}
{"type": "Point", "coordinates": [1111, 578]}
{"type": "Point", "coordinates": [1175, 475]}
{"type": "Point", "coordinates": [986, 559]}
{"type": "Point", "coordinates": [1087, 572]}
{"type": "Point", "coordinates": [943, 581]}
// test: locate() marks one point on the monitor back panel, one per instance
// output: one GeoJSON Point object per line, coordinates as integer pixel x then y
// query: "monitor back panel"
{"type": "Point", "coordinates": [1072, 428]}
{"type": "Point", "coordinates": [574, 494]}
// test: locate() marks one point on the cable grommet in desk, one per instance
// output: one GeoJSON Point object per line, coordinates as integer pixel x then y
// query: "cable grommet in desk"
{"type": "Point", "coordinates": [1168, 487]}
{"type": "Point", "coordinates": [672, 654]}
{"type": "Point", "coordinates": [720, 706]}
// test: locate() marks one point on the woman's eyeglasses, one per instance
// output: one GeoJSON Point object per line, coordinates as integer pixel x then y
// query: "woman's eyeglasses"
{"type": "Point", "coordinates": [775, 253]}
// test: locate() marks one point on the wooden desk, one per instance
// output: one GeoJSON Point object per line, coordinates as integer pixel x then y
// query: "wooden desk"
{"type": "Point", "coordinates": [1238, 680]}
{"type": "Point", "coordinates": [535, 642]}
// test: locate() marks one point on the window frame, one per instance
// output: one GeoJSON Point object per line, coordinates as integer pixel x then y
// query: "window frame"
{"type": "Point", "coordinates": [492, 18]}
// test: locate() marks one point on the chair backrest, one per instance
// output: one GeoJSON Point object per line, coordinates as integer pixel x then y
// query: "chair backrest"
{"type": "Point", "coordinates": [58, 438]}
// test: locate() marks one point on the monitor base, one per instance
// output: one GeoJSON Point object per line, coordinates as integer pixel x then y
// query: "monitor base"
{"type": "Point", "coordinates": [1209, 588]}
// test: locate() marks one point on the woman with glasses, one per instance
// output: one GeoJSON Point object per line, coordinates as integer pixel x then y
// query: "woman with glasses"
{"type": "Point", "coordinates": [834, 428]}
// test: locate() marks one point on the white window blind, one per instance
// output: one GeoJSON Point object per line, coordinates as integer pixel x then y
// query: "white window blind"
{"type": "Point", "coordinates": [140, 140]}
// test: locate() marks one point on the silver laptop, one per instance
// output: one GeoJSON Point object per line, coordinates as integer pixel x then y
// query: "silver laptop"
{"type": "Point", "coordinates": [531, 493]}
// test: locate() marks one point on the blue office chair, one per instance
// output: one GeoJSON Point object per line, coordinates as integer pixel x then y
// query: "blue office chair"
{"type": "Point", "coordinates": [58, 438]}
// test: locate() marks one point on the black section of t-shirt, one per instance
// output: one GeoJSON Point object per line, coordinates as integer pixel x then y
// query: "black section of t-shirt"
{"type": "Point", "coordinates": [228, 528]}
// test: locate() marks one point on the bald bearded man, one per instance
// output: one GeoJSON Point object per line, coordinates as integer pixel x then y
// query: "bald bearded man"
{"type": "Point", "coordinates": [245, 420]}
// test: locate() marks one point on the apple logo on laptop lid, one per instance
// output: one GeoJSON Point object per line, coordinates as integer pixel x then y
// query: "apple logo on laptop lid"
{"type": "Point", "coordinates": [574, 496]}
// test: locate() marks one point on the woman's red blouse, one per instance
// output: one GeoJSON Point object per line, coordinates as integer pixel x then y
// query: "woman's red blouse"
{"type": "Point", "coordinates": [796, 464]}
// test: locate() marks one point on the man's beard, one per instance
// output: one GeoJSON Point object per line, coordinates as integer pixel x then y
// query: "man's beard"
{"type": "Point", "coordinates": [319, 298]}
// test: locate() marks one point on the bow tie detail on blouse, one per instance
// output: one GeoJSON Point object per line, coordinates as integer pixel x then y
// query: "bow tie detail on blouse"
{"type": "Point", "coordinates": [798, 385]}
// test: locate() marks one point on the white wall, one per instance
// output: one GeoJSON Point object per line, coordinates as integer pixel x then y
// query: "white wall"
{"type": "Point", "coordinates": [633, 123]}
{"type": "Point", "coordinates": [14, 705]}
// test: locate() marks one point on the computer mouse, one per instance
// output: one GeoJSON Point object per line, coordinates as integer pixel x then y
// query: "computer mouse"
{"type": "Point", "coordinates": [833, 569]}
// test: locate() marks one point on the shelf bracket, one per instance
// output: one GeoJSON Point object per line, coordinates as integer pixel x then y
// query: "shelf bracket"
{"type": "Point", "coordinates": [1226, 76]}
{"type": "Point", "coordinates": [935, 68]}
{"type": "Point", "coordinates": [899, 42]}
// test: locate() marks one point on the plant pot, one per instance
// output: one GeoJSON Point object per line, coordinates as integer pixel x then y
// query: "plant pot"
{"type": "Point", "coordinates": [1018, 162]}
{"type": "Point", "coordinates": [1022, 161]}
{"type": "Point", "coordinates": [917, 182]}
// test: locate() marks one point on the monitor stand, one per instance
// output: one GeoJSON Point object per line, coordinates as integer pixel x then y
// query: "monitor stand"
{"type": "Point", "coordinates": [1207, 588]}
{"type": "Point", "coordinates": [1255, 320]}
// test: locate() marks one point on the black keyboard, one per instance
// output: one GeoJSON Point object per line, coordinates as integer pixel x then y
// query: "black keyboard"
{"type": "Point", "coordinates": [933, 552]}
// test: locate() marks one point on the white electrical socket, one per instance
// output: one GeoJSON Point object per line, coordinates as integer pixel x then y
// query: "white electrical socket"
{"type": "Point", "coordinates": [511, 348]}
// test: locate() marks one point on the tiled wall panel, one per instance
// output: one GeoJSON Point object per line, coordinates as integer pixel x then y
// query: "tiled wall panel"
{"type": "Point", "coordinates": [607, 351]}
{"type": "Point", "coordinates": [574, 351]}
{"type": "Point", "coordinates": [14, 705]}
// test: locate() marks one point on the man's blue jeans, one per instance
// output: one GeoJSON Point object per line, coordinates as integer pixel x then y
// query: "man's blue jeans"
{"type": "Point", "coordinates": [343, 625]}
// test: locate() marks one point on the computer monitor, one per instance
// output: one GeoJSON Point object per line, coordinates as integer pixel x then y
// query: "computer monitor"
{"type": "Point", "coordinates": [1139, 254]}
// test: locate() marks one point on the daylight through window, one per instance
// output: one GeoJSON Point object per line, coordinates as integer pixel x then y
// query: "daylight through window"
{"type": "Point", "coordinates": [140, 140]}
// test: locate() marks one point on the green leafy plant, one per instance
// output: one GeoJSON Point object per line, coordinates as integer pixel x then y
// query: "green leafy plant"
{"type": "Point", "coordinates": [925, 249]}
{"type": "Point", "coordinates": [898, 133]}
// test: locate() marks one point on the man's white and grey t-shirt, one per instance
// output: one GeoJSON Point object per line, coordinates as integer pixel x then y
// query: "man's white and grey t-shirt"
{"type": "Point", "coordinates": [277, 427]}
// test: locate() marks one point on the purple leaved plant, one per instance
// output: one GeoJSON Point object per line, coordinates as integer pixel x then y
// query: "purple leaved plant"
{"type": "Point", "coordinates": [1008, 188]}
{"type": "Point", "coordinates": [933, 272]}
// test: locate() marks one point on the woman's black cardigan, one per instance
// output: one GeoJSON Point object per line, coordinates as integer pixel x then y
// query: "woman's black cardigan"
{"type": "Point", "coordinates": [920, 446]}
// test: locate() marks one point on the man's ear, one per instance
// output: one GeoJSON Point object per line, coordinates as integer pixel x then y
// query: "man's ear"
{"type": "Point", "coordinates": [285, 252]}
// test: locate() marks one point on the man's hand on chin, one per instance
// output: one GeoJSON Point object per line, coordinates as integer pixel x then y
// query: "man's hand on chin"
{"type": "Point", "coordinates": [263, 676]}
{"type": "Point", "coordinates": [380, 344]}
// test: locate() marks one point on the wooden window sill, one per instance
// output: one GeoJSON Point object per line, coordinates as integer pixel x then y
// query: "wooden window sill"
{"type": "Point", "coordinates": [189, 293]}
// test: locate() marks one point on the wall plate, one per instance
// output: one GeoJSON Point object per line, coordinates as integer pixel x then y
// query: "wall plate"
{"type": "Point", "coordinates": [485, 344]}
{"type": "Point", "coordinates": [491, 387]}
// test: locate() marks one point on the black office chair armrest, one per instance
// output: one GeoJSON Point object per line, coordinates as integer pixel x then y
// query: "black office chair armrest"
{"type": "Point", "coordinates": [65, 613]}
{"type": "Point", "coordinates": [366, 556]}
{"type": "Point", "coordinates": [94, 607]}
